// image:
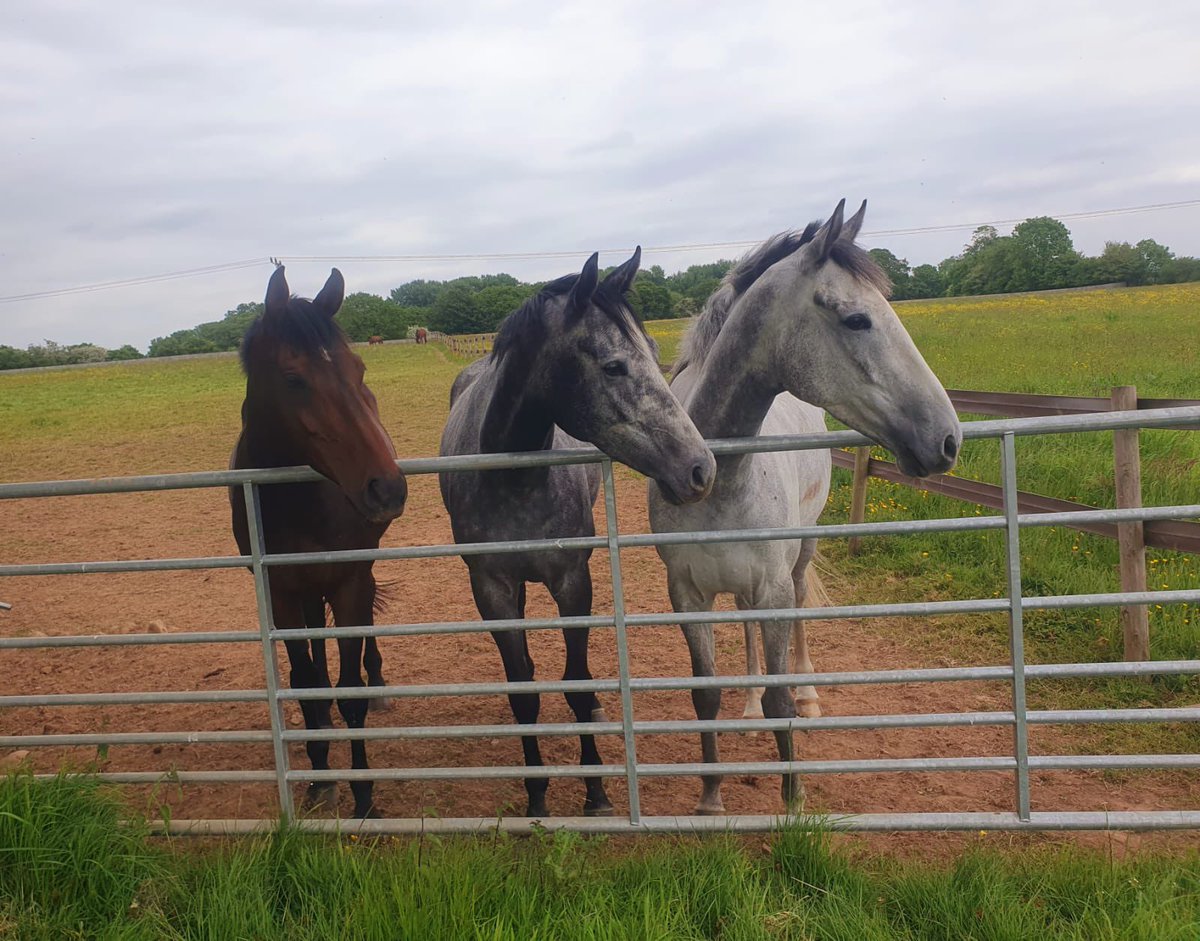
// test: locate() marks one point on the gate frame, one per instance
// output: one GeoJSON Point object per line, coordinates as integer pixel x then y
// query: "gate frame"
{"type": "Point", "coordinates": [1020, 763]}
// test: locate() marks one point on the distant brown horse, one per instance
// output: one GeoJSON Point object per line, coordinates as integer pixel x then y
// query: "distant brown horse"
{"type": "Point", "coordinates": [422, 335]}
{"type": "Point", "coordinates": [306, 403]}
{"type": "Point", "coordinates": [376, 340]}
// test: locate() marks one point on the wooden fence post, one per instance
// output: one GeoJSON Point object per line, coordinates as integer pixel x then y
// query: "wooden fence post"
{"type": "Point", "coordinates": [1135, 619]}
{"type": "Point", "coordinates": [858, 494]}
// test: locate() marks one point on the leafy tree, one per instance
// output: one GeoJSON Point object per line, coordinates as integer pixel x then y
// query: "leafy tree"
{"type": "Point", "coordinates": [981, 238]}
{"type": "Point", "coordinates": [12, 358]}
{"type": "Point", "coordinates": [124, 352]}
{"type": "Point", "coordinates": [926, 281]}
{"type": "Point", "coordinates": [1120, 261]}
{"type": "Point", "coordinates": [1156, 260]}
{"type": "Point", "coordinates": [419, 293]}
{"type": "Point", "coordinates": [455, 311]}
{"type": "Point", "coordinates": [650, 299]}
{"type": "Point", "coordinates": [896, 269]}
{"type": "Point", "coordinates": [1042, 254]}
{"type": "Point", "coordinates": [1184, 268]}
{"type": "Point", "coordinates": [497, 301]}
{"type": "Point", "coordinates": [364, 315]}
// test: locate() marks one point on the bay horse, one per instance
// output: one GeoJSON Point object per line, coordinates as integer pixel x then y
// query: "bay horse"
{"type": "Point", "coordinates": [799, 326]}
{"type": "Point", "coordinates": [375, 340]}
{"type": "Point", "coordinates": [422, 335]}
{"type": "Point", "coordinates": [572, 365]}
{"type": "Point", "coordinates": [306, 403]}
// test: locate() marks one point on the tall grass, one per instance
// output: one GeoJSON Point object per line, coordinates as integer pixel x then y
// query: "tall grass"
{"type": "Point", "coordinates": [69, 870]}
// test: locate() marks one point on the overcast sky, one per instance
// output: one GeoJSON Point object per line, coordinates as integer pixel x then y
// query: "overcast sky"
{"type": "Point", "coordinates": [140, 138]}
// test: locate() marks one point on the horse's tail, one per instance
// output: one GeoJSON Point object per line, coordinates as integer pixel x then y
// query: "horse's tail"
{"type": "Point", "coordinates": [816, 595]}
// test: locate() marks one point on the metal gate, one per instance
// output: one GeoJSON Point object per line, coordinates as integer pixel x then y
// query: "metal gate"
{"type": "Point", "coordinates": [1019, 762]}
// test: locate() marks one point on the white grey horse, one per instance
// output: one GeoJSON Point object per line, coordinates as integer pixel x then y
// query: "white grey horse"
{"type": "Point", "coordinates": [801, 319]}
{"type": "Point", "coordinates": [572, 365]}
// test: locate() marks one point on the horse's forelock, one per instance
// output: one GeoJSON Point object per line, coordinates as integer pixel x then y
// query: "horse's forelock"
{"type": "Point", "coordinates": [301, 327]}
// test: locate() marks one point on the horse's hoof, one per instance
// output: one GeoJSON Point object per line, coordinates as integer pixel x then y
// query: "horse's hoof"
{"type": "Point", "coordinates": [599, 715]}
{"type": "Point", "coordinates": [795, 803]}
{"type": "Point", "coordinates": [371, 812]}
{"type": "Point", "coordinates": [810, 709]}
{"type": "Point", "coordinates": [379, 704]}
{"type": "Point", "coordinates": [320, 795]}
{"type": "Point", "coordinates": [598, 808]}
{"type": "Point", "coordinates": [537, 809]}
{"type": "Point", "coordinates": [710, 809]}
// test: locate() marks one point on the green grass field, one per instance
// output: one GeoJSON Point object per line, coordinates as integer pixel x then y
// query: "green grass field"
{"type": "Point", "coordinates": [72, 866]}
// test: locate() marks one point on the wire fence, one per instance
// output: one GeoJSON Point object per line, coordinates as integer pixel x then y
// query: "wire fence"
{"type": "Point", "coordinates": [1018, 762]}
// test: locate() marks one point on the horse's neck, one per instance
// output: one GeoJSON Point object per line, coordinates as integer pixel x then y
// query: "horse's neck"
{"type": "Point", "coordinates": [261, 443]}
{"type": "Point", "coordinates": [733, 389]}
{"type": "Point", "coordinates": [513, 419]}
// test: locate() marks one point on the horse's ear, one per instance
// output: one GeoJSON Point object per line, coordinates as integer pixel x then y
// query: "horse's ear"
{"type": "Point", "coordinates": [853, 224]}
{"type": "Point", "coordinates": [277, 293]}
{"type": "Point", "coordinates": [622, 276]}
{"type": "Point", "coordinates": [329, 301]}
{"type": "Point", "coordinates": [585, 287]}
{"type": "Point", "coordinates": [828, 234]}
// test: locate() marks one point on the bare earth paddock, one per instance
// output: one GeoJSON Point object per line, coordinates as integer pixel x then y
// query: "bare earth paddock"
{"type": "Point", "coordinates": [193, 523]}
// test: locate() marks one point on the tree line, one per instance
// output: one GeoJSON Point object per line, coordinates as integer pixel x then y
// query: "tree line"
{"type": "Point", "coordinates": [1037, 256]}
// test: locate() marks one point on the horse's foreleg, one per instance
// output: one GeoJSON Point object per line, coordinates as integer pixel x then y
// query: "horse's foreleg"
{"type": "Point", "coordinates": [777, 700]}
{"type": "Point", "coordinates": [314, 617]}
{"type": "Point", "coordinates": [754, 694]}
{"type": "Point", "coordinates": [373, 659]}
{"type": "Point", "coordinates": [352, 606]}
{"type": "Point", "coordinates": [808, 704]}
{"type": "Point", "coordinates": [304, 674]}
{"type": "Point", "coordinates": [497, 601]}
{"type": "Point", "coordinates": [574, 599]}
{"type": "Point", "coordinates": [707, 702]}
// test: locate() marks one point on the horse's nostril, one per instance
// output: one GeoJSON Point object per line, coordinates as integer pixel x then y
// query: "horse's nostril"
{"type": "Point", "coordinates": [385, 495]}
{"type": "Point", "coordinates": [950, 447]}
{"type": "Point", "coordinates": [699, 477]}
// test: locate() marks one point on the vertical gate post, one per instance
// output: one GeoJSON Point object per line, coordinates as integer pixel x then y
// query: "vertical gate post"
{"type": "Point", "coordinates": [614, 561]}
{"type": "Point", "coordinates": [1016, 620]}
{"type": "Point", "coordinates": [858, 494]}
{"type": "Point", "coordinates": [266, 624]}
{"type": "Point", "coordinates": [1127, 466]}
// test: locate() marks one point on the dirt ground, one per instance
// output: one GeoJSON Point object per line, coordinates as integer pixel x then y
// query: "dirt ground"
{"type": "Point", "coordinates": [190, 523]}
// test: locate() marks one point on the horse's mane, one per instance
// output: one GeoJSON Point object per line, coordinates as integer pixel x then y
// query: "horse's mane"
{"type": "Point", "coordinates": [706, 325]}
{"type": "Point", "coordinates": [526, 325]}
{"type": "Point", "coordinates": [301, 327]}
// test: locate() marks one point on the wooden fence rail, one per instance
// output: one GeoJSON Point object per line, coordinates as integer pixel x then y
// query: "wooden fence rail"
{"type": "Point", "coordinates": [1177, 535]}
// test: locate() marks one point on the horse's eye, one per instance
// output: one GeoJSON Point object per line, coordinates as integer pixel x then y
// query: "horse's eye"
{"type": "Point", "coordinates": [295, 382]}
{"type": "Point", "coordinates": [616, 368]}
{"type": "Point", "coordinates": [857, 322]}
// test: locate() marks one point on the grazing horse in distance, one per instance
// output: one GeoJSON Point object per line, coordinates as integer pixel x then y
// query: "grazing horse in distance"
{"type": "Point", "coordinates": [422, 335]}
{"type": "Point", "coordinates": [376, 340]}
{"type": "Point", "coordinates": [572, 365]}
{"type": "Point", "coordinates": [306, 403]}
{"type": "Point", "coordinates": [799, 325]}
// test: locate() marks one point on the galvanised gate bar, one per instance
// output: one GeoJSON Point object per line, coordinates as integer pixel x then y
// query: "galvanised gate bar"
{"type": "Point", "coordinates": [1020, 763]}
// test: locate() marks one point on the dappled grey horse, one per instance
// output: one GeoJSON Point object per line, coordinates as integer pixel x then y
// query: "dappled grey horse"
{"type": "Point", "coordinates": [572, 365]}
{"type": "Point", "coordinates": [801, 319]}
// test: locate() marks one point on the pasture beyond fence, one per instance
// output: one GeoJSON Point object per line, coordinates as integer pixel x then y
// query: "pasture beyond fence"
{"type": "Point", "coordinates": [1019, 762]}
{"type": "Point", "coordinates": [1133, 536]}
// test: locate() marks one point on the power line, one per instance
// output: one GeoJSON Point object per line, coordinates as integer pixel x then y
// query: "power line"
{"type": "Point", "coordinates": [524, 256]}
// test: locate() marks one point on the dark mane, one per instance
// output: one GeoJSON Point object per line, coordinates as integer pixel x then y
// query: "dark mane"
{"type": "Point", "coordinates": [526, 325]}
{"type": "Point", "coordinates": [302, 327]}
{"type": "Point", "coordinates": [706, 325]}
